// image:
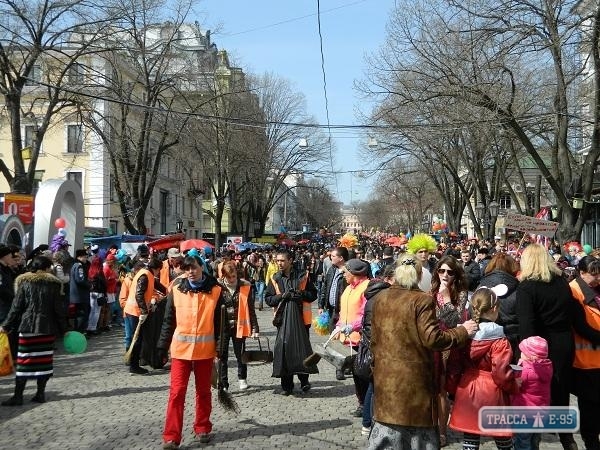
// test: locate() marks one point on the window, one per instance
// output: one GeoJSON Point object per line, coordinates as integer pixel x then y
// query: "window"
{"type": "Point", "coordinates": [114, 226]}
{"type": "Point", "coordinates": [29, 136]}
{"type": "Point", "coordinates": [76, 177]}
{"type": "Point", "coordinates": [505, 201]}
{"type": "Point", "coordinates": [35, 75]}
{"type": "Point", "coordinates": [74, 139]}
{"type": "Point", "coordinates": [530, 199]}
{"type": "Point", "coordinates": [75, 74]}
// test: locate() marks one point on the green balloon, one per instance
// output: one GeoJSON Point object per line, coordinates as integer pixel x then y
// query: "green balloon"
{"type": "Point", "coordinates": [74, 342]}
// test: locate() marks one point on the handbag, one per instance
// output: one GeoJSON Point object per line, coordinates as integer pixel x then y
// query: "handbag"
{"type": "Point", "coordinates": [260, 355]}
{"type": "Point", "coordinates": [7, 366]}
{"type": "Point", "coordinates": [363, 363]}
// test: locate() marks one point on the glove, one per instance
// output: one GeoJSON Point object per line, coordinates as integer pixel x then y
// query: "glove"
{"type": "Point", "coordinates": [286, 296]}
{"type": "Point", "coordinates": [143, 317]}
{"type": "Point", "coordinates": [163, 355]}
{"type": "Point", "coordinates": [347, 329]}
{"type": "Point", "coordinates": [297, 296]}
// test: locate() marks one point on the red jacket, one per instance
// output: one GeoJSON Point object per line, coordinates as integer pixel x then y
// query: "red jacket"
{"type": "Point", "coordinates": [487, 378]}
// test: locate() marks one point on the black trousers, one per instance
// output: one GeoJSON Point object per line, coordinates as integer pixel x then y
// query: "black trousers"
{"type": "Point", "coordinates": [589, 424]}
{"type": "Point", "coordinates": [239, 344]}
{"type": "Point", "coordinates": [287, 381]}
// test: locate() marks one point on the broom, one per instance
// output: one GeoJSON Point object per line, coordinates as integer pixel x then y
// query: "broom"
{"type": "Point", "coordinates": [127, 355]}
{"type": "Point", "coordinates": [314, 358]}
{"type": "Point", "coordinates": [224, 397]}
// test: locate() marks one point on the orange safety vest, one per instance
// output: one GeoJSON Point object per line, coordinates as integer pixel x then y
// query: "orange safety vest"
{"type": "Point", "coordinates": [124, 292]}
{"type": "Point", "coordinates": [306, 306]}
{"type": "Point", "coordinates": [586, 356]}
{"type": "Point", "coordinates": [131, 306]}
{"type": "Point", "coordinates": [164, 276]}
{"type": "Point", "coordinates": [194, 336]}
{"type": "Point", "coordinates": [351, 307]}
{"type": "Point", "coordinates": [244, 328]}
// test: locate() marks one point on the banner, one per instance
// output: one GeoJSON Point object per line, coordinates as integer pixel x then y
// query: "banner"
{"type": "Point", "coordinates": [528, 224]}
{"type": "Point", "coordinates": [19, 205]}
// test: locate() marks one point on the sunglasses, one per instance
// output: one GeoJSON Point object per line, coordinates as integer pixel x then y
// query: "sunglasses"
{"type": "Point", "coordinates": [450, 272]}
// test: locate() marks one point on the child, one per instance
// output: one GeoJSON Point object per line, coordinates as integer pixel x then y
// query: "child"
{"type": "Point", "coordinates": [534, 384]}
{"type": "Point", "coordinates": [487, 378]}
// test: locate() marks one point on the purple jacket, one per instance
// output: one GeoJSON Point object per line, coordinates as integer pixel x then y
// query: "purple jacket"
{"type": "Point", "coordinates": [535, 388]}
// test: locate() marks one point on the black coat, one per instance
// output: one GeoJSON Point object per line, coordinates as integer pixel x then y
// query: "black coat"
{"type": "Point", "coordinates": [7, 294]}
{"type": "Point", "coordinates": [374, 287]}
{"type": "Point", "coordinates": [545, 309]}
{"type": "Point", "coordinates": [37, 307]}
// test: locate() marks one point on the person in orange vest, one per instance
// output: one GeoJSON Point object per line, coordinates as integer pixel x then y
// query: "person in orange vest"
{"type": "Point", "coordinates": [291, 293]}
{"type": "Point", "coordinates": [170, 266]}
{"type": "Point", "coordinates": [126, 280]}
{"type": "Point", "coordinates": [144, 287]}
{"type": "Point", "coordinates": [352, 309]}
{"type": "Point", "coordinates": [240, 321]}
{"type": "Point", "coordinates": [191, 330]}
{"type": "Point", "coordinates": [586, 364]}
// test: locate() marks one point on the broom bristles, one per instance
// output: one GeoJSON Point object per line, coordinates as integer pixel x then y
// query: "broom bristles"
{"type": "Point", "coordinates": [227, 401]}
{"type": "Point", "coordinates": [311, 360]}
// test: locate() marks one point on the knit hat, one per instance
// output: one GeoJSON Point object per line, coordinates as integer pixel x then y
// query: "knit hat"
{"type": "Point", "coordinates": [5, 250]}
{"type": "Point", "coordinates": [534, 346]}
{"type": "Point", "coordinates": [357, 267]}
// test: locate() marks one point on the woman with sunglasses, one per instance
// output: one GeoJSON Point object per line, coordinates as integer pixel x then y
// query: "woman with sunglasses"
{"type": "Point", "coordinates": [449, 288]}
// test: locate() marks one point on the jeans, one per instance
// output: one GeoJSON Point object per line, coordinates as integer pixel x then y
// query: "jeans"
{"type": "Point", "coordinates": [94, 312]}
{"type": "Point", "coordinates": [134, 361]}
{"type": "Point", "coordinates": [116, 313]}
{"type": "Point", "coordinates": [260, 292]}
{"type": "Point", "coordinates": [523, 441]}
{"type": "Point", "coordinates": [367, 417]}
{"type": "Point", "coordinates": [81, 316]}
{"type": "Point", "coordinates": [180, 375]}
{"type": "Point", "coordinates": [129, 330]}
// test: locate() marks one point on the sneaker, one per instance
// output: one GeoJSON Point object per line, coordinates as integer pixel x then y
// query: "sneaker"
{"type": "Point", "coordinates": [243, 385]}
{"type": "Point", "coordinates": [339, 375]}
{"type": "Point", "coordinates": [306, 387]}
{"type": "Point", "coordinates": [170, 445]}
{"type": "Point", "coordinates": [138, 371]}
{"type": "Point", "coordinates": [358, 412]}
{"type": "Point", "coordinates": [203, 438]}
{"type": "Point", "coordinates": [365, 431]}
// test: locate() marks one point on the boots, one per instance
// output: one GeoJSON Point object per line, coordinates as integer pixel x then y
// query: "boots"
{"type": "Point", "coordinates": [567, 441]}
{"type": "Point", "coordinates": [17, 399]}
{"type": "Point", "coordinates": [40, 396]}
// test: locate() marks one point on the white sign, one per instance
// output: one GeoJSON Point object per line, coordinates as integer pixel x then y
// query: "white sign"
{"type": "Point", "coordinates": [531, 225]}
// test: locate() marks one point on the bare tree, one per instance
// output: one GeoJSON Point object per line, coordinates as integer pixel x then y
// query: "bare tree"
{"type": "Point", "coordinates": [316, 204]}
{"type": "Point", "coordinates": [42, 46]}
{"type": "Point", "coordinates": [513, 62]}
{"type": "Point", "coordinates": [144, 115]}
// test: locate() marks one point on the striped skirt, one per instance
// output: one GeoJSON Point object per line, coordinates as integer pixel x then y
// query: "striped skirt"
{"type": "Point", "coordinates": [35, 355]}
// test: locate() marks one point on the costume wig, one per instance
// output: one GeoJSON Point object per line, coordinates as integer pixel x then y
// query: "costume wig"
{"type": "Point", "coordinates": [419, 241]}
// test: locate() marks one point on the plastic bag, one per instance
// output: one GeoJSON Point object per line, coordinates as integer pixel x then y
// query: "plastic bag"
{"type": "Point", "coordinates": [6, 363]}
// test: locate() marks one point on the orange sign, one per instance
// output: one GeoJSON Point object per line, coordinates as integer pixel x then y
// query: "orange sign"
{"type": "Point", "coordinates": [19, 205]}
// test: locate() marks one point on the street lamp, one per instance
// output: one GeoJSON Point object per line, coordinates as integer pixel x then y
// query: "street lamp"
{"type": "Point", "coordinates": [494, 209]}
{"type": "Point", "coordinates": [487, 216]}
{"type": "Point", "coordinates": [179, 225]}
{"type": "Point", "coordinates": [256, 225]}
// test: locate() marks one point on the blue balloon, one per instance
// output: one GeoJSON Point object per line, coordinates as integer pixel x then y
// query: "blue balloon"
{"type": "Point", "coordinates": [62, 232]}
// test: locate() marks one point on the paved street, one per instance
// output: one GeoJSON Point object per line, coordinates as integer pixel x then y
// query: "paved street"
{"type": "Point", "coordinates": [93, 403]}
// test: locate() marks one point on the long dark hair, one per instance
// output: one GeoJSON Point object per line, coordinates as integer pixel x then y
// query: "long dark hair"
{"type": "Point", "coordinates": [459, 284]}
{"type": "Point", "coordinates": [40, 263]}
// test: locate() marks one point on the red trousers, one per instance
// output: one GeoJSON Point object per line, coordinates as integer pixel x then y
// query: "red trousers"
{"type": "Point", "coordinates": [180, 375]}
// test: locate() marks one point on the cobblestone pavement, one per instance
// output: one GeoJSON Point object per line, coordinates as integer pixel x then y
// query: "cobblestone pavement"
{"type": "Point", "coordinates": [93, 403]}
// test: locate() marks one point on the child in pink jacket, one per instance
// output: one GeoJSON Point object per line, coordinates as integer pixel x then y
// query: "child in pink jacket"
{"type": "Point", "coordinates": [534, 384]}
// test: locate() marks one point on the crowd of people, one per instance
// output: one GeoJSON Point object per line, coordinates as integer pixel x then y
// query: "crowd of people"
{"type": "Point", "coordinates": [450, 327]}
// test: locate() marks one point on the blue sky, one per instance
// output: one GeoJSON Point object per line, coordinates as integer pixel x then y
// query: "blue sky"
{"type": "Point", "coordinates": [281, 36]}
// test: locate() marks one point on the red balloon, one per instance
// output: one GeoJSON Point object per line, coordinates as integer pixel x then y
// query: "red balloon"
{"type": "Point", "coordinates": [60, 223]}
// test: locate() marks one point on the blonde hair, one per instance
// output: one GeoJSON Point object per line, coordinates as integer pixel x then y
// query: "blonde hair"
{"type": "Point", "coordinates": [408, 271]}
{"type": "Point", "coordinates": [482, 301]}
{"type": "Point", "coordinates": [537, 264]}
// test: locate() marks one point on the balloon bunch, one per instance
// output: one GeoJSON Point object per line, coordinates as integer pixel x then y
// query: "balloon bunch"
{"type": "Point", "coordinates": [321, 323]}
{"type": "Point", "coordinates": [439, 226]}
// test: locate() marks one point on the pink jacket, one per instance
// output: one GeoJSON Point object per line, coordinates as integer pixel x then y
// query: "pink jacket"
{"type": "Point", "coordinates": [535, 388]}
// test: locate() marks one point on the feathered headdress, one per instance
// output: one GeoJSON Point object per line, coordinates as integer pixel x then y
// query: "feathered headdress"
{"type": "Point", "coordinates": [348, 240]}
{"type": "Point", "coordinates": [419, 241]}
